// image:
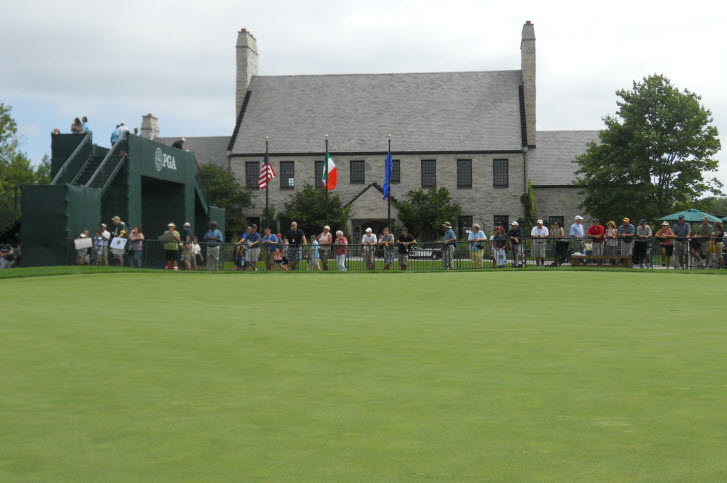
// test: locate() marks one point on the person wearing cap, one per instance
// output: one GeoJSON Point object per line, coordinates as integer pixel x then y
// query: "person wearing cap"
{"type": "Point", "coordinates": [270, 242]}
{"type": "Point", "coordinates": [641, 244]}
{"type": "Point", "coordinates": [119, 231]}
{"type": "Point", "coordinates": [499, 246]}
{"type": "Point", "coordinates": [179, 143]}
{"type": "Point", "coordinates": [595, 233]}
{"type": "Point", "coordinates": [83, 256]}
{"type": "Point", "coordinates": [626, 233]}
{"type": "Point", "coordinates": [387, 242]}
{"type": "Point", "coordinates": [213, 237]}
{"type": "Point", "coordinates": [539, 233]}
{"type": "Point", "coordinates": [325, 240]}
{"type": "Point", "coordinates": [253, 247]}
{"type": "Point", "coordinates": [449, 242]}
{"type": "Point", "coordinates": [516, 238]}
{"type": "Point", "coordinates": [703, 251]}
{"type": "Point", "coordinates": [369, 244]}
{"type": "Point", "coordinates": [171, 247]}
{"type": "Point", "coordinates": [666, 239]}
{"type": "Point", "coordinates": [240, 253]}
{"type": "Point", "coordinates": [404, 242]}
{"type": "Point", "coordinates": [683, 231]}
{"type": "Point", "coordinates": [476, 240]}
{"type": "Point", "coordinates": [294, 239]}
{"type": "Point", "coordinates": [576, 233]}
{"type": "Point", "coordinates": [188, 246]}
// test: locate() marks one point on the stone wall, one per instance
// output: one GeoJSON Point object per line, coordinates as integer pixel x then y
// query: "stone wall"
{"type": "Point", "coordinates": [558, 201]}
{"type": "Point", "coordinates": [482, 202]}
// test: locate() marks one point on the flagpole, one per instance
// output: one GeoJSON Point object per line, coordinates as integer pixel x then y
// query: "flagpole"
{"type": "Point", "coordinates": [267, 182]}
{"type": "Point", "coordinates": [325, 167]}
{"type": "Point", "coordinates": [388, 193]}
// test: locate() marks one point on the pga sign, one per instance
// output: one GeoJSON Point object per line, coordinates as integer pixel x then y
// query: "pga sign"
{"type": "Point", "coordinates": [162, 160]}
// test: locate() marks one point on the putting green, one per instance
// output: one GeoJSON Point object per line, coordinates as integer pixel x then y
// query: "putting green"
{"type": "Point", "coordinates": [407, 376]}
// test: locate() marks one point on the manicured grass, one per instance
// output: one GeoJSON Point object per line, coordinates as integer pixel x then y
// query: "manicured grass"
{"type": "Point", "coordinates": [512, 375]}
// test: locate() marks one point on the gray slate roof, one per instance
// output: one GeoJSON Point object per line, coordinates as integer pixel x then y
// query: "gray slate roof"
{"type": "Point", "coordinates": [447, 111]}
{"type": "Point", "coordinates": [550, 162]}
{"type": "Point", "coordinates": [207, 149]}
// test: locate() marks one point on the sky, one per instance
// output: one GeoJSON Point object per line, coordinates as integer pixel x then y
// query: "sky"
{"type": "Point", "coordinates": [115, 61]}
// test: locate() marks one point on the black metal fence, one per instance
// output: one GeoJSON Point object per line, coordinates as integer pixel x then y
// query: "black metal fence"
{"type": "Point", "coordinates": [422, 257]}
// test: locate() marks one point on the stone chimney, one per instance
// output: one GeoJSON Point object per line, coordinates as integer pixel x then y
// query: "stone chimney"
{"type": "Point", "coordinates": [527, 65]}
{"type": "Point", "coordinates": [149, 127]}
{"type": "Point", "coordinates": [246, 66]}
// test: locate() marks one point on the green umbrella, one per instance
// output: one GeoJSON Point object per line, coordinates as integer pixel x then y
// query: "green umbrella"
{"type": "Point", "coordinates": [691, 215]}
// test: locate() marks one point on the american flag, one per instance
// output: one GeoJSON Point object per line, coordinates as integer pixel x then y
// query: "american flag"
{"type": "Point", "coordinates": [266, 174]}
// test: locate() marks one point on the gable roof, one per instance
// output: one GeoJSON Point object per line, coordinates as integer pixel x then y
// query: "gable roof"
{"type": "Point", "coordinates": [374, 185]}
{"type": "Point", "coordinates": [440, 112]}
{"type": "Point", "coordinates": [549, 163]}
{"type": "Point", "coordinates": [207, 149]}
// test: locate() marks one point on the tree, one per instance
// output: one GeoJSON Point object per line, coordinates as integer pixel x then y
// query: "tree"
{"type": "Point", "coordinates": [224, 191]}
{"type": "Point", "coordinates": [425, 211]}
{"type": "Point", "coordinates": [15, 166]}
{"type": "Point", "coordinates": [531, 215]}
{"type": "Point", "coordinates": [652, 156]}
{"type": "Point", "coordinates": [307, 207]}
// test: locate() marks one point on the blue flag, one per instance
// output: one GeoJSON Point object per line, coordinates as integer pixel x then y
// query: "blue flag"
{"type": "Point", "coordinates": [387, 181]}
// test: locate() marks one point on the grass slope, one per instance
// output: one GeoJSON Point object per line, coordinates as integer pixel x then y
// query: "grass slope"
{"type": "Point", "coordinates": [448, 376]}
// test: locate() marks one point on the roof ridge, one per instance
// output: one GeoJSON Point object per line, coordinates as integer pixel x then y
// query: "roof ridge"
{"type": "Point", "coordinates": [361, 74]}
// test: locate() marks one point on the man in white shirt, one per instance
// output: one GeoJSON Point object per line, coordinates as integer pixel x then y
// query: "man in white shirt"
{"type": "Point", "coordinates": [577, 233]}
{"type": "Point", "coordinates": [539, 234]}
{"type": "Point", "coordinates": [369, 244]}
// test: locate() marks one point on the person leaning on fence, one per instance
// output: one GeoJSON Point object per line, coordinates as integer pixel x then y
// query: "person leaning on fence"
{"type": "Point", "coordinates": [387, 242]}
{"type": "Point", "coordinates": [295, 239]}
{"type": "Point", "coordinates": [369, 245]}
{"type": "Point", "coordinates": [253, 247]}
{"type": "Point", "coordinates": [718, 243]}
{"type": "Point", "coordinates": [516, 242]}
{"type": "Point", "coordinates": [213, 237]}
{"type": "Point", "coordinates": [666, 241]}
{"type": "Point", "coordinates": [76, 127]}
{"type": "Point", "coordinates": [449, 243]}
{"type": "Point", "coordinates": [136, 237]}
{"type": "Point", "coordinates": [270, 245]}
{"type": "Point", "coordinates": [500, 245]}
{"type": "Point", "coordinates": [539, 233]}
{"type": "Point", "coordinates": [325, 240]}
{"type": "Point", "coordinates": [611, 240]}
{"type": "Point", "coordinates": [404, 242]}
{"type": "Point", "coordinates": [683, 231]}
{"type": "Point", "coordinates": [197, 252]}
{"type": "Point", "coordinates": [703, 252]}
{"type": "Point", "coordinates": [626, 233]}
{"type": "Point", "coordinates": [641, 244]}
{"type": "Point", "coordinates": [476, 241]}
{"type": "Point", "coordinates": [340, 249]}
{"type": "Point", "coordinates": [560, 244]}
{"type": "Point", "coordinates": [595, 233]}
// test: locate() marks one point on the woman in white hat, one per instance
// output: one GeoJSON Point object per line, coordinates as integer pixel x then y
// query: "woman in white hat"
{"type": "Point", "coordinates": [171, 247]}
{"type": "Point", "coordinates": [665, 237]}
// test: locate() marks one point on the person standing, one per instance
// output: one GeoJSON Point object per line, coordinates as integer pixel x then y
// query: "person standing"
{"type": "Point", "coordinates": [626, 233]}
{"type": "Point", "coordinates": [718, 243]}
{"type": "Point", "coordinates": [213, 237]}
{"type": "Point", "coordinates": [641, 244]}
{"type": "Point", "coordinates": [595, 233]}
{"type": "Point", "coordinates": [499, 247]}
{"type": "Point", "coordinates": [77, 126]}
{"type": "Point", "coordinates": [516, 242]}
{"type": "Point", "coordinates": [539, 234]}
{"type": "Point", "coordinates": [560, 244]}
{"type": "Point", "coordinates": [683, 231]}
{"type": "Point", "coordinates": [476, 239]}
{"type": "Point", "coordinates": [179, 143]}
{"type": "Point", "coordinates": [612, 240]}
{"type": "Point", "coordinates": [84, 127]}
{"type": "Point", "coordinates": [119, 231]}
{"type": "Point", "coordinates": [99, 248]}
{"type": "Point", "coordinates": [136, 237]}
{"type": "Point", "coordinates": [341, 249]}
{"type": "Point", "coordinates": [294, 239]}
{"type": "Point", "coordinates": [171, 247]}
{"type": "Point", "coordinates": [666, 240]}
{"type": "Point", "coordinates": [314, 260]}
{"type": "Point", "coordinates": [253, 247]}
{"type": "Point", "coordinates": [576, 233]}
{"type": "Point", "coordinates": [187, 246]}
{"type": "Point", "coordinates": [115, 135]}
{"type": "Point", "coordinates": [369, 244]}
{"type": "Point", "coordinates": [325, 240]}
{"type": "Point", "coordinates": [270, 242]}
{"type": "Point", "coordinates": [449, 242]}
{"type": "Point", "coordinates": [404, 242]}
{"type": "Point", "coordinates": [387, 242]}
{"type": "Point", "coordinates": [197, 254]}
{"type": "Point", "coordinates": [704, 236]}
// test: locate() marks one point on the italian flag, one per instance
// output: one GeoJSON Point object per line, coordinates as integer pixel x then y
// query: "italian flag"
{"type": "Point", "coordinates": [330, 174]}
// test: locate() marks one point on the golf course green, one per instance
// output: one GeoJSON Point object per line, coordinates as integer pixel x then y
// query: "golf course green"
{"type": "Point", "coordinates": [530, 375]}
